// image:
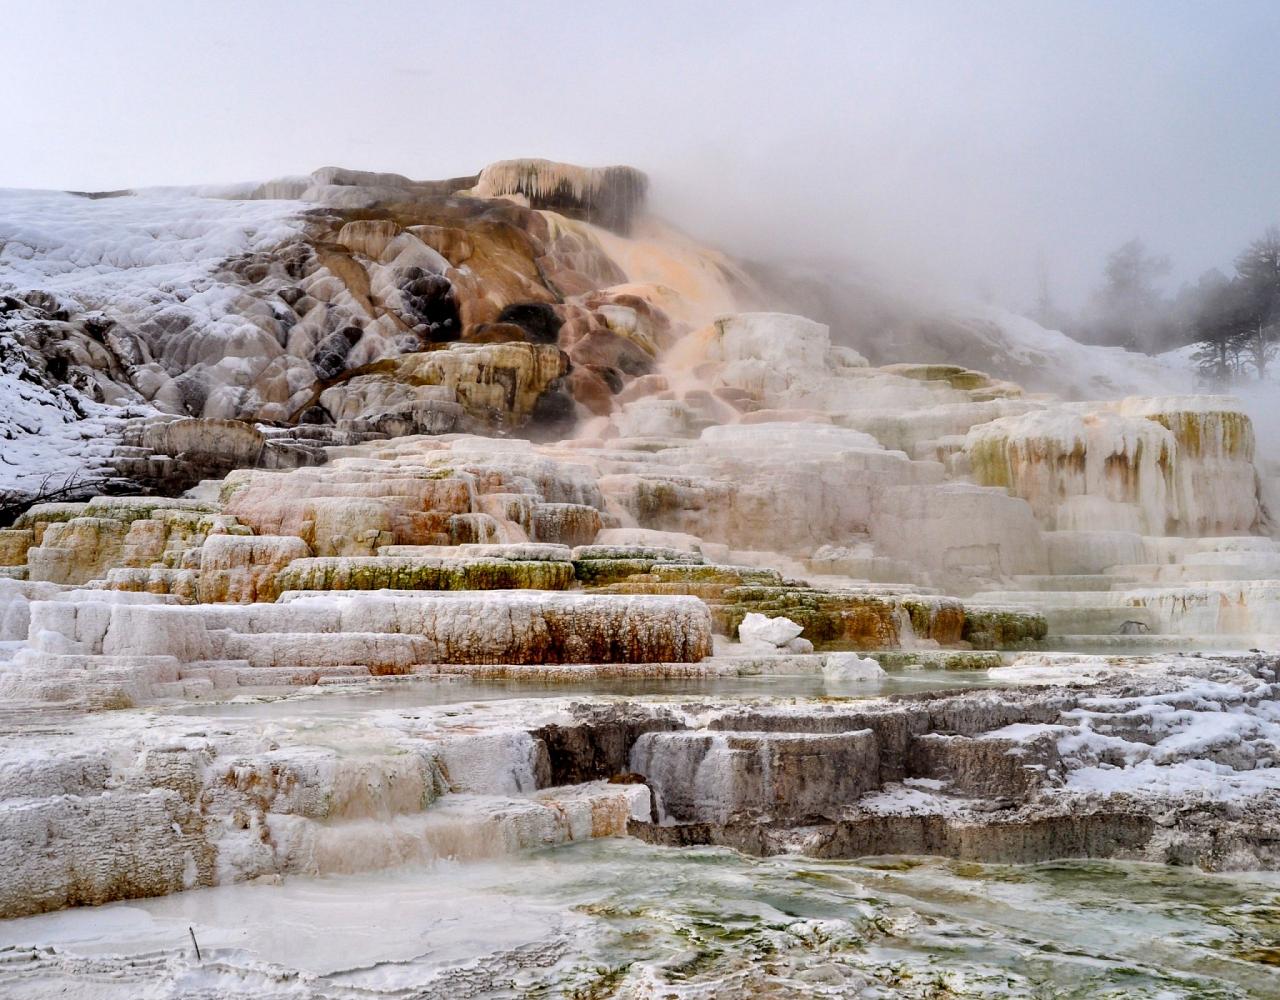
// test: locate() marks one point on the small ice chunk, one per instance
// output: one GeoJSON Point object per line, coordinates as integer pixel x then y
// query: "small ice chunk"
{"type": "Point", "coordinates": [775, 631]}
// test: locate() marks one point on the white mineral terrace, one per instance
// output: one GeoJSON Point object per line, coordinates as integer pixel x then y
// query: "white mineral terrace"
{"type": "Point", "coordinates": [763, 609]}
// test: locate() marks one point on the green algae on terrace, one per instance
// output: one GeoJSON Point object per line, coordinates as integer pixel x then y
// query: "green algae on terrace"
{"type": "Point", "coordinates": [866, 621]}
{"type": "Point", "coordinates": [423, 573]}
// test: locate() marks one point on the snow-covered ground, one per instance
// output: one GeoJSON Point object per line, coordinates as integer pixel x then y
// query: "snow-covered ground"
{"type": "Point", "coordinates": [137, 252]}
{"type": "Point", "coordinates": [149, 260]}
{"type": "Point", "coordinates": [1056, 362]}
{"type": "Point", "coordinates": [1049, 360]}
{"type": "Point", "coordinates": [45, 442]}
{"type": "Point", "coordinates": [137, 259]}
{"type": "Point", "coordinates": [1207, 730]}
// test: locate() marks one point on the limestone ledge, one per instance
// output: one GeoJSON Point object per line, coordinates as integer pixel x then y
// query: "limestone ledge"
{"type": "Point", "coordinates": [147, 808]}
{"type": "Point", "coordinates": [111, 649]}
{"type": "Point", "coordinates": [793, 460]}
{"type": "Point", "coordinates": [868, 621]}
{"type": "Point", "coordinates": [1062, 764]}
{"type": "Point", "coordinates": [397, 572]}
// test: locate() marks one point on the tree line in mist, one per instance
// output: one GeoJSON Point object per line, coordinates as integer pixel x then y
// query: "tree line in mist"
{"type": "Point", "coordinates": [1233, 320]}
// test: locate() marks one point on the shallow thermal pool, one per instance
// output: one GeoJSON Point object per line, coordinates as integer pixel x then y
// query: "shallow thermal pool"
{"type": "Point", "coordinates": [619, 918]}
{"type": "Point", "coordinates": [454, 690]}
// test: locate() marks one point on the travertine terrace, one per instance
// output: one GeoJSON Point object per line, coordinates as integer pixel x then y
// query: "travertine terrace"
{"type": "Point", "coordinates": [511, 428]}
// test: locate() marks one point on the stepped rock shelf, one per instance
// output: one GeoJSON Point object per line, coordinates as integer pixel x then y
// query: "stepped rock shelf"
{"type": "Point", "coordinates": [370, 441]}
{"type": "Point", "coordinates": [140, 804]}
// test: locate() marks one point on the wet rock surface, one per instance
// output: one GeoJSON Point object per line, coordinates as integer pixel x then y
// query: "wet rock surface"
{"type": "Point", "coordinates": [1172, 764]}
{"type": "Point", "coordinates": [1006, 777]}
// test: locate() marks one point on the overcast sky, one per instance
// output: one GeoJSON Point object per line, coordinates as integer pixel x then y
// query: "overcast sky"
{"type": "Point", "coordinates": [960, 140]}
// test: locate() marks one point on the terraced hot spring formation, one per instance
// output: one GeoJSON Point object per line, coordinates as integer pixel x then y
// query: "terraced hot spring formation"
{"type": "Point", "coordinates": [483, 556]}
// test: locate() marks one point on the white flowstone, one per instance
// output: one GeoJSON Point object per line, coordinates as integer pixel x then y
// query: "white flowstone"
{"type": "Point", "coordinates": [845, 667]}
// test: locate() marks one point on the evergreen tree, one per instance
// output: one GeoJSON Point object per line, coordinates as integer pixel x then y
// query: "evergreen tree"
{"type": "Point", "coordinates": [1258, 272]}
{"type": "Point", "coordinates": [1129, 310]}
{"type": "Point", "coordinates": [1222, 323]}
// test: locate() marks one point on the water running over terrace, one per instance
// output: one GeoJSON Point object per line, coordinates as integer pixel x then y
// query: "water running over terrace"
{"type": "Point", "coordinates": [448, 691]}
{"type": "Point", "coordinates": [622, 919]}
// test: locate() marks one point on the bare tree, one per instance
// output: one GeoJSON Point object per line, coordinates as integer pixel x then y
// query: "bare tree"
{"type": "Point", "coordinates": [16, 501]}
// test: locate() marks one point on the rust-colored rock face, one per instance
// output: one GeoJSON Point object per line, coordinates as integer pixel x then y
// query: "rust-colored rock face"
{"type": "Point", "coordinates": [498, 385]}
{"type": "Point", "coordinates": [299, 340]}
{"type": "Point", "coordinates": [381, 266]}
